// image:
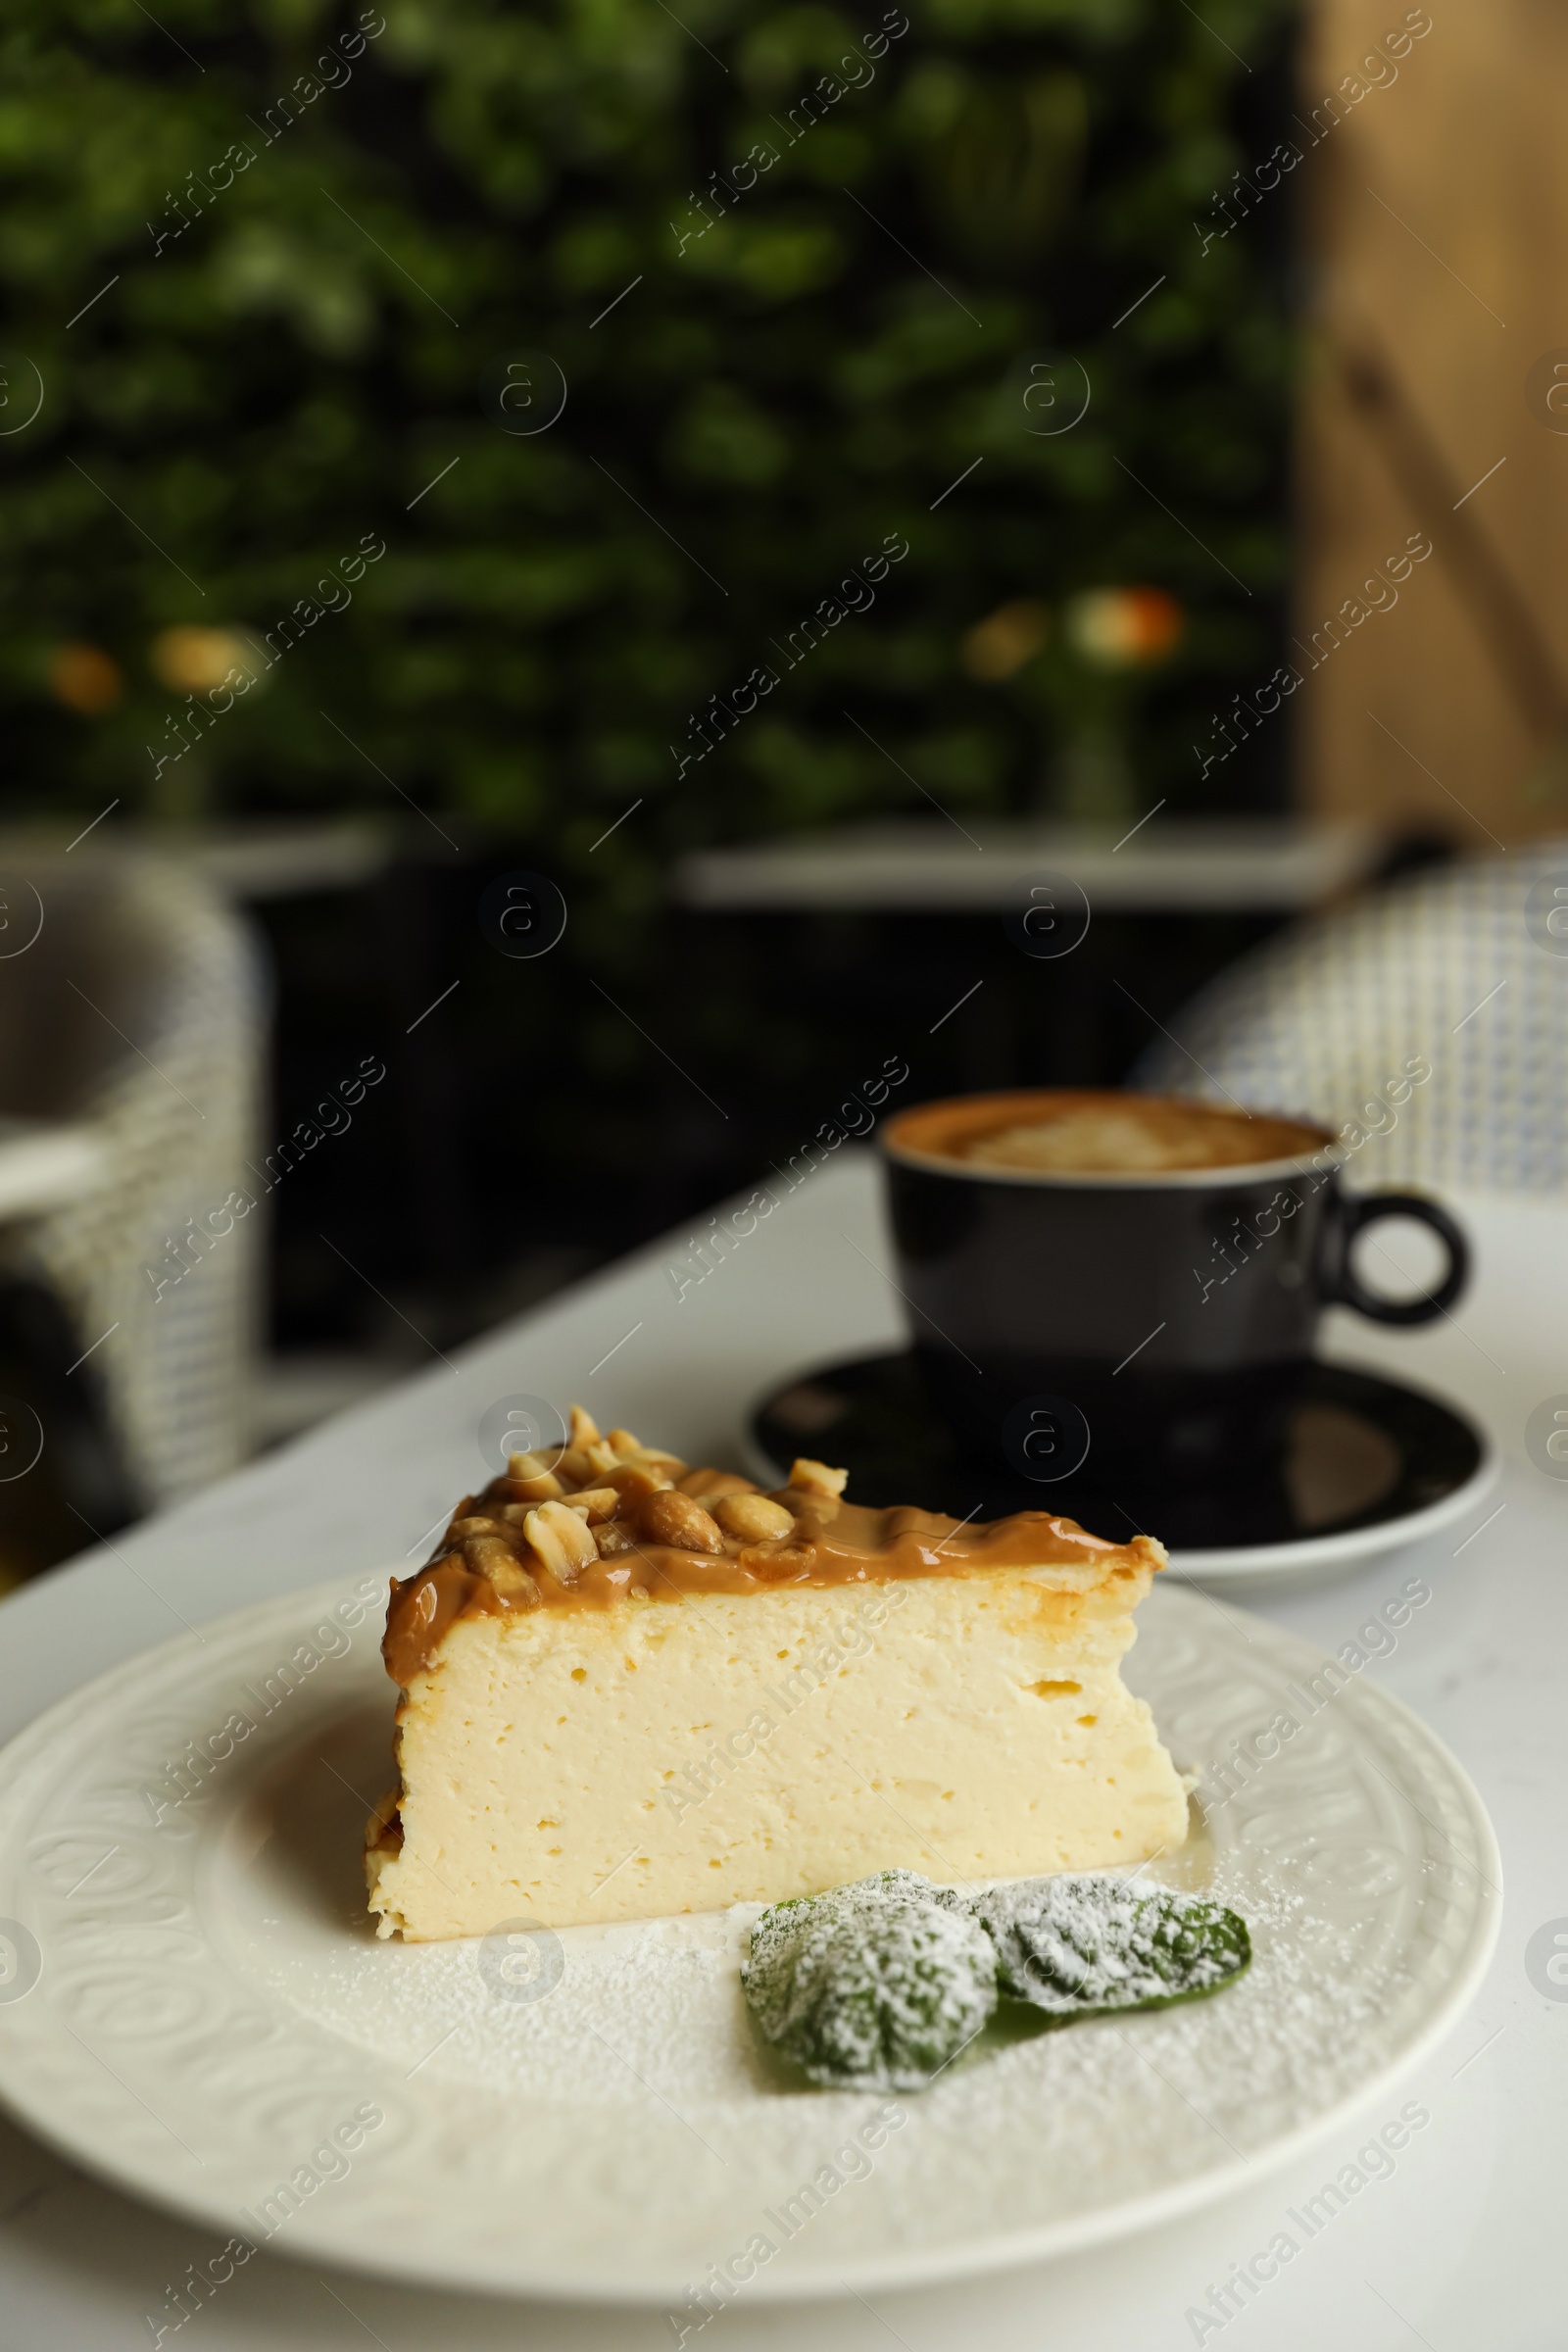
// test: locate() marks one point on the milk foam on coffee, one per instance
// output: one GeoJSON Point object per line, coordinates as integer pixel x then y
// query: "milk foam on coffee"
{"type": "Point", "coordinates": [1135, 1136]}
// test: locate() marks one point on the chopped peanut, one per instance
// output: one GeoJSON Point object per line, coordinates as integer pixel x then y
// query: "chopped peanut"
{"type": "Point", "coordinates": [670, 1517]}
{"type": "Point", "coordinates": [561, 1541]}
{"type": "Point", "coordinates": [755, 1518]}
{"type": "Point", "coordinates": [633, 1480]}
{"type": "Point", "coordinates": [595, 1503]}
{"type": "Point", "coordinates": [611, 1537]}
{"type": "Point", "coordinates": [493, 1559]}
{"type": "Point", "coordinates": [542, 1488]}
{"type": "Point", "coordinates": [584, 1428]}
{"type": "Point", "coordinates": [815, 1477]}
{"type": "Point", "coordinates": [705, 1484]}
{"type": "Point", "coordinates": [775, 1563]}
{"type": "Point", "coordinates": [512, 1582]}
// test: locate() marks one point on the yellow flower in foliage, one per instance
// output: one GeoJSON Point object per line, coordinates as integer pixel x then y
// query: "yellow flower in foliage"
{"type": "Point", "coordinates": [197, 660]}
{"type": "Point", "coordinates": [1123, 628]}
{"type": "Point", "coordinates": [1004, 640]}
{"type": "Point", "coordinates": [85, 679]}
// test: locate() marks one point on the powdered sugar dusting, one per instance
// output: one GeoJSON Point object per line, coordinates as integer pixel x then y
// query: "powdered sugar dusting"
{"type": "Point", "coordinates": [1081, 1941]}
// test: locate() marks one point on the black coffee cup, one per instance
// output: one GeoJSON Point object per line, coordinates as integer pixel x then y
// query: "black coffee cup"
{"type": "Point", "coordinates": [1160, 1317]}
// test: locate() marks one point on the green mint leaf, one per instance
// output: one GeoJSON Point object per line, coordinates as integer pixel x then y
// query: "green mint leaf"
{"type": "Point", "coordinates": [874, 1987]}
{"type": "Point", "coordinates": [1077, 1945]}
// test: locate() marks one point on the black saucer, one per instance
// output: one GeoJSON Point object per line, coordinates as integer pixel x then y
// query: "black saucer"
{"type": "Point", "coordinates": [1362, 1453]}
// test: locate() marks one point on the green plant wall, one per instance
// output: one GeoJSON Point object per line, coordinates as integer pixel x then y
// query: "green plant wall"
{"type": "Point", "coordinates": [270, 262]}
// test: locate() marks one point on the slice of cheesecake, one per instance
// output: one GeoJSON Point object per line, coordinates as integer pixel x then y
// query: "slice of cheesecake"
{"type": "Point", "coordinates": [630, 1687]}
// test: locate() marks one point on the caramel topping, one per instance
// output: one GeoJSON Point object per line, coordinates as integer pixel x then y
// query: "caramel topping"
{"type": "Point", "coordinates": [832, 1542]}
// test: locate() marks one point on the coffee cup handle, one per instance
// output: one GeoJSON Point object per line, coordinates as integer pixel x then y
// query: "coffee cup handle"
{"type": "Point", "coordinates": [1344, 1288]}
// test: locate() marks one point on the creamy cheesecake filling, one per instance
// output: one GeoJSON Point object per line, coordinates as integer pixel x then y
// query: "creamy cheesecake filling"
{"type": "Point", "coordinates": [631, 1762]}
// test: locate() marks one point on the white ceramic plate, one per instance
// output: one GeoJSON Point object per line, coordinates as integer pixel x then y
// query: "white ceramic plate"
{"type": "Point", "coordinates": [210, 2020]}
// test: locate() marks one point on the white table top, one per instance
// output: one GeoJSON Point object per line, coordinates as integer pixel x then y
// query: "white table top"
{"type": "Point", "coordinates": [1456, 2250]}
{"type": "Point", "coordinates": [263, 858]}
{"type": "Point", "coordinates": [42, 1166]}
{"type": "Point", "coordinates": [1175, 866]}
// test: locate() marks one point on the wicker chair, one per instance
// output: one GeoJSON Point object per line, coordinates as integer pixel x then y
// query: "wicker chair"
{"type": "Point", "coordinates": [139, 1014]}
{"type": "Point", "coordinates": [1463, 967]}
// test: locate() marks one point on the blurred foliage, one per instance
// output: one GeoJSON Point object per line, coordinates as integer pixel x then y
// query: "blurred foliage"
{"type": "Point", "coordinates": [285, 364]}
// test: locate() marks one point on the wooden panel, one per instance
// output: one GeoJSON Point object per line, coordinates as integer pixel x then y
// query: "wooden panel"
{"type": "Point", "coordinates": [1436, 220]}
